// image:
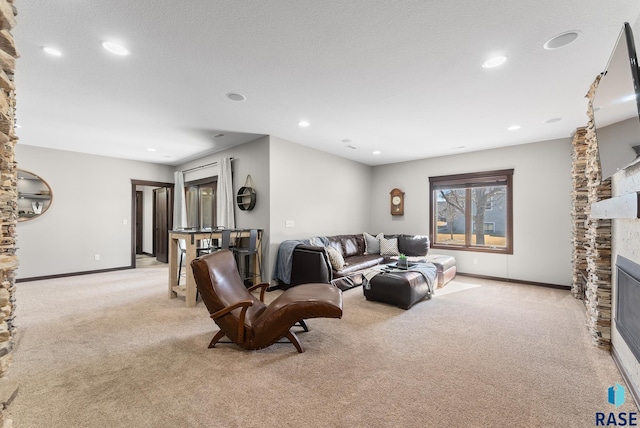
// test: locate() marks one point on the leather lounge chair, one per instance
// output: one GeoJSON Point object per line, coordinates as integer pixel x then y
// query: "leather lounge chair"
{"type": "Point", "coordinates": [248, 321]}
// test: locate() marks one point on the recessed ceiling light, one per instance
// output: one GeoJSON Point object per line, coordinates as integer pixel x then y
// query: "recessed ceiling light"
{"type": "Point", "coordinates": [496, 61]}
{"type": "Point", "coordinates": [115, 48]}
{"type": "Point", "coordinates": [303, 123]}
{"type": "Point", "coordinates": [513, 128]}
{"type": "Point", "coordinates": [377, 152]}
{"type": "Point", "coordinates": [459, 148]}
{"type": "Point", "coordinates": [553, 120]}
{"type": "Point", "coordinates": [52, 51]}
{"type": "Point", "coordinates": [346, 141]}
{"type": "Point", "coordinates": [151, 149]}
{"type": "Point", "coordinates": [562, 40]}
{"type": "Point", "coordinates": [218, 135]}
{"type": "Point", "coordinates": [234, 96]}
{"type": "Point", "coordinates": [352, 147]}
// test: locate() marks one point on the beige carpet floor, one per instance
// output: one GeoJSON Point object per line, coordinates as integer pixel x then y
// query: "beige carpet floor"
{"type": "Point", "coordinates": [112, 350]}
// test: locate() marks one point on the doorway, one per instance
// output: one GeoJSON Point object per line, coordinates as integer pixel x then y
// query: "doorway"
{"type": "Point", "coordinates": [151, 220]}
{"type": "Point", "coordinates": [139, 224]}
{"type": "Point", "coordinates": [162, 203]}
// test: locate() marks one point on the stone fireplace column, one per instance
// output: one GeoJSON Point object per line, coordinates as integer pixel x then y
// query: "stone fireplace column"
{"type": "Point", "coordinates": [579, 213]}
{"type": "Point", "coordinates": [591, 237]}
{"type": "Point", "coordinates": [8, 203]}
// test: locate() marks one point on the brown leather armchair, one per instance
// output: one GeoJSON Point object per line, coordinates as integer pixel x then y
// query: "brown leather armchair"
{"type": "Point", "coordinates": [248, 321]}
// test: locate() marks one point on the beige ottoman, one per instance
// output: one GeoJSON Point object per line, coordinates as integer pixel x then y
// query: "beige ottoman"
{"type": "Point", "coordinates": [446, 267]}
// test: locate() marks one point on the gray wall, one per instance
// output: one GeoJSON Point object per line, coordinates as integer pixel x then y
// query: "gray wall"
{"type": "Point", "coordinates": [91, 201]}
{"type": "Point", "coordinates": [251, 158]}
{"type": "Point", "coordinates": [322, 193]}
{"type": "Point", "coordinates": [541, 204]}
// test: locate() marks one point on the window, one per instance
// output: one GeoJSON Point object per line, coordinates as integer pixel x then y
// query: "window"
{"type": "Point", "coordinates": [200, 198]}
{"type": "Point", "coordinates": [460, 202]}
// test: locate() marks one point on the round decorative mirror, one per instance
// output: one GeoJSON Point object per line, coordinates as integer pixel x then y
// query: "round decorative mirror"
{"type": "Point", "coordinates": [34, 195]}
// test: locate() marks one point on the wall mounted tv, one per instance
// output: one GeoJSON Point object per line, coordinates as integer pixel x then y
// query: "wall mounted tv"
{"type": "Point", "coordinates": [617, 108]}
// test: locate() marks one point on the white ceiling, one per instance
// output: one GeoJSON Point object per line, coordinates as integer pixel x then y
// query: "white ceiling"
{"type": "Point", "coordinates": [402, 77]}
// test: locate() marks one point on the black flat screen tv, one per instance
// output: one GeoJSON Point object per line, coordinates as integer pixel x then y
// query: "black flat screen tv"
{"type": "Point", "coordinates": [616, 107]}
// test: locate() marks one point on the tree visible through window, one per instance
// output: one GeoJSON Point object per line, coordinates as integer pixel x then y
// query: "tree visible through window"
{"type": "Point", "coordinates": [472, 211]}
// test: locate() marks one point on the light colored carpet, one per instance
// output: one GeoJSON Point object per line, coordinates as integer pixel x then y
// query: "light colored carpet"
{"type": "Point", "coordinates": [146, 260]}
{"type": "Point", "coordinates": [111, 350]}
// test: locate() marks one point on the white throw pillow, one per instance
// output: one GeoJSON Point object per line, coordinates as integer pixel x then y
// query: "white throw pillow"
{"type": "Point", "coordinates": [372, 243]}
{"type": "Point", "coordinates": [389, 247]}
{"type": "Point", "coordinates": [335, 258]}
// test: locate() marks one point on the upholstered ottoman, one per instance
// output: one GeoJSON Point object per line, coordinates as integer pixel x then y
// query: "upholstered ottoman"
{"type": "Point", "coordinates": [401, 288]}
{"type": "Point", "coordinates": [446, 267]}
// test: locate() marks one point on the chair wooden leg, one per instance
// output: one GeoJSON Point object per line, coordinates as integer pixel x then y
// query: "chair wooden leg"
{"type": "Point", "coordinates": [303, 324]}
{"type": "Point", "coordinates": [294, 339]}
{"type": "Point", "coordinates": [219, 335]}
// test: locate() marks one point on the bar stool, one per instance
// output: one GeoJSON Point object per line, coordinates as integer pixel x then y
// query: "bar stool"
{"type": "Point", "coordinates": [222, 243]}
{"type": "Point", "coordinates": [183, 251]}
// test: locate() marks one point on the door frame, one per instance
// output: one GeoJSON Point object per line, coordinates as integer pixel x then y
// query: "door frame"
{"type": "Point", "coordinates": [135, 183]}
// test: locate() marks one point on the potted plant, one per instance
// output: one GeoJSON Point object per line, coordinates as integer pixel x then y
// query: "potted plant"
{"type": "Point", "coordinates": [402, 262]}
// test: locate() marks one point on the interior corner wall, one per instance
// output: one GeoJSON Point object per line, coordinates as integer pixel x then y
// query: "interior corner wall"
{"type": "Point", "coordinates": [541, 207]}
{"type": "Point", "coordinates": [322, 194]}
{"type": "Point", "coordinates": [251, 158]}
{"type": "Point", "coordinates": [91, 200]}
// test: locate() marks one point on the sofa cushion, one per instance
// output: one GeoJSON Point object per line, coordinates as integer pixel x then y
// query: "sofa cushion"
{"type": "Point", "coordinates": [413, 245]}
{"type": "Point", "coordinates": [372, 243]}
{"type": "Point", "coordinates": [335, 258]}
{"type": "Point", "coordinates": [356, 263]}
{"type": "Point", "coordinates": [350, 245]}
{"type": "Point", "coordinates": [389, 247]}
{"type": "Point", "coordinates": [335, 242]}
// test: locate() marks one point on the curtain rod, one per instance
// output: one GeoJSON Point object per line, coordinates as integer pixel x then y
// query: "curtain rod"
{"type": "Point", "coordinates": [202, 166]}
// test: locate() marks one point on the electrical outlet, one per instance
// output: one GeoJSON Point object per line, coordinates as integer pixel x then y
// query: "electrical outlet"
{"type": "Point", "coordinates": [125, 221]}
{"type": "Point", "coordinates": [96, 257]}
{"type": "Point", "coordinates": [475, 261]}
{"type": "Point", "coordinates": [290, 223]}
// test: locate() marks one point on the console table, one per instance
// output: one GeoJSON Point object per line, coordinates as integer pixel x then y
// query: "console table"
{"type": "Point", "coordinates": [191, 237]}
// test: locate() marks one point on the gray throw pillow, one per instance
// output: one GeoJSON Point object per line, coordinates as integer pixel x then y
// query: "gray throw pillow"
{"type": "Point", "coordinates": [372, 243]}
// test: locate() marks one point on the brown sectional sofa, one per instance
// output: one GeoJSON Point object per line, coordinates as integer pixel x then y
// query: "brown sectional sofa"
{"type": "Point", "coordinates": [314, 260]}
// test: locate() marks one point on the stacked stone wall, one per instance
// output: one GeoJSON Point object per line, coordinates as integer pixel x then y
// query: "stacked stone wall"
{"type": "Point", "coordinates": [8, 203]}
{"type": "Point", "coordinates": [591, 237]}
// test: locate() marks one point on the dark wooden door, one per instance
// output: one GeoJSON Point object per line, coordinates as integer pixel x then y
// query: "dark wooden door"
{"type": "Point", "coordinates": [162, 199]}
{"type": "Point", "coordinates": [139, 221]}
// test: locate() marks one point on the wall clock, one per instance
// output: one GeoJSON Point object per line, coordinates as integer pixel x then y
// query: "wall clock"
{"type": "Point", "coordinates": [397, 202]}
